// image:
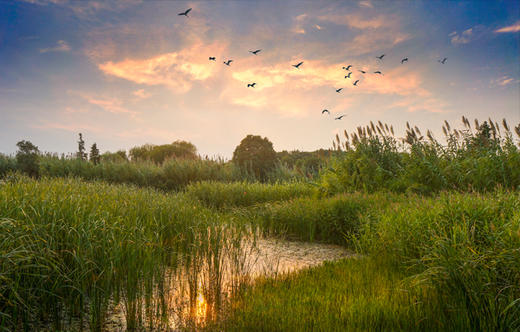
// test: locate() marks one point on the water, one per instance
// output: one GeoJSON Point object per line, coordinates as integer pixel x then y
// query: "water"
{"type": "Point", "coordinates": [197, 294]}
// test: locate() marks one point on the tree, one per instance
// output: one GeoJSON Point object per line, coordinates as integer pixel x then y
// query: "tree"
{"type": "Point", "coordinates": [81, 154]}
{"type": "Point", "coordinates": [27, 158]}
{"type": "Point", "coordinates": [160, 153]}
{"type": "Point", "coordinates": [255, 154]}
{"type": "Point", "coordinates": [94, 154]}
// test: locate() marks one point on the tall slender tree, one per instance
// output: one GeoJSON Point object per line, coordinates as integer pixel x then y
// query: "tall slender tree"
{"type": "Point", "coordinates": [81, 154]}
{"type": "Point", "coordinates": [94, 154]}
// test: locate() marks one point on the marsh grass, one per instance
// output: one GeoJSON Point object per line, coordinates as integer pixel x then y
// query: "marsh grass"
{"type": "Point", "coordinates": [73, 250]}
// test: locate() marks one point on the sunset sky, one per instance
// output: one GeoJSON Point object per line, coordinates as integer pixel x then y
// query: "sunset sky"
{"type": "Point", "coordinates": [133, 72]}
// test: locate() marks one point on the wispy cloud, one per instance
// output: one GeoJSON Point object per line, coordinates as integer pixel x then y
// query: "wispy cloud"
{"type": "Point", "coordinates": [61, 46]}
{"type": "Point", "coordinates": [366, 4]}
{"type": "Point", "coordinates": [298, 24]}
{"type": "Point", "coordinates": [108, 104]}
{"type": "Point", "coordinates": [466, 36]}
{"type": "Point", "coordinates": [503, 81]}
{"type": "Point", "coordinates": [511, 28]}
{"type": "Point", "coordinates": [176, 70]}
{"type": "Point", "coordinates": [141, 93]}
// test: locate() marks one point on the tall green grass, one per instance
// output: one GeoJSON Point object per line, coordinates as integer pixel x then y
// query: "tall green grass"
{"type": "Point", "coordinates": [70, 249]}
{"type": "Point", "coordinates": [449, 262]}
{"type": "Point", "coordinates": [481, 158]}
{"type": "Point", "coordinates": [240, 194]}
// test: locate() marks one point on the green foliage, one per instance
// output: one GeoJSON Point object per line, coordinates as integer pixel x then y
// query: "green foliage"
{"type": "Point", "coordinates": [239, 194]}
{"type": "Point", "coordinates": [256, 154]}
{"type": "Point", "coordinates": [81, 154]}
{"type": "Point", "coordinates": [71, 249]}
{"type": "Point", "coordinates": [94, 154]}
{"type": "Point", "coordinates": [114, 157]}
{"type": "Point", "coordinates": [27, 158]}
{"type": "Point", "coordinates": [374, 160]}
{"type": "Point", "coordinates": [7, 165]}
{"type": "Point", "coordinates": [160, 153]}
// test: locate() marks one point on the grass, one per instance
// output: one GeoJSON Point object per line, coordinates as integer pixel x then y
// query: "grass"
{"type": "Point", "coordinates": [70, 249]}
{"type": "Point", "coordinates": [440, 263]}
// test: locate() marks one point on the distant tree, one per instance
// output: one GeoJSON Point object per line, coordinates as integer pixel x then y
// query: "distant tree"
{"type": "Point", "coordinates": [114, 157]}
{"type": "Point", "coordinates": [255, 154]}
{"type": "Point", "coordinates": [159, 153]}
{"type": "Point", "coordinates": [94, 154]}
{"type": "Point", "coordinates": [81, 154]}
{"type": "Point", "coordinates": [27, 158]}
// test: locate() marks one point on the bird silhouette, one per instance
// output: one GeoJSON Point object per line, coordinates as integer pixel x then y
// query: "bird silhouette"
{"type": "Point", "coordinates": [252, 85]}
{"type": "Point", "coordinates": [356, 82]}
{"type": "Point", "coordinates": [339, 90]}
{"type": "Point", "coordinates": [185, 13]}
{"type": "Point", "coordinates": [339, 117]}
{"type": "Point", "coordinates": [255, 52]}
{"type": "Point", "coordinates": [227, 63]}
{"type": "Point", "coordinates": [348, 67]}
{"type": "Point", "coordinates": [380, 57]}
{"type": "Point", "coordinates": [212, 58]}
{"type": "Point", "coordinates": [378, 72]}
{"type": "Point", "coordinates": [325, 111]}
{"type": "Point", "coordinates": [298, 65]}
{"type": "Point", "coordinates": [404, 60]}
{"type": "Point", "coordinates": [348, 76]}
{"type": "Point", "coordinates": [443, 60]}
{"type": "Point", "coordinates": [362, 72]}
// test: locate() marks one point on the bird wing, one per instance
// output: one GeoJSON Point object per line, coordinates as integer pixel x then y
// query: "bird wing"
{"type": "Point", "coordinates": [187, 11]}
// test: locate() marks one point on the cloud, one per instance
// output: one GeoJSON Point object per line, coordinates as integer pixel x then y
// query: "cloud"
{"type": "Point", "coordinates": [109, 104]}
{"type": "Point", "coordinates": [366, 4]}
{"type": "Point", "coordinates": [465, 37]}
{"type": "Point", "coordinates": [318, 27]}
{"type": "Point", "coordinates": [503, 81]}
{"type": "Point", "coordinates": [511, 28]}
{"type": "Point", "coordinates": [294, 93]}
{"type": "Point", "coordinates": [176, 70]}
{"type": "Point", "coordinates": [61, 46]}
{"type": "Point", "coordinates": [298, 24]}
{"type": "Point", "coordinates": [141, 93]}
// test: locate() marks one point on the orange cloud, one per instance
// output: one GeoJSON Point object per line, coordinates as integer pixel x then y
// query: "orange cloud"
{"type": "Point", "coordinates": [177, 70]}
{"type": "Point", "coordinates": [512, 28]}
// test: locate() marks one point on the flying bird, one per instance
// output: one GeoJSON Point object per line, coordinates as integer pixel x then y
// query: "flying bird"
{"type": "Point", "coordinates": [356, 82]}
{"type": "Point", "coordinates": [443, 60]}
{"type": "Point", "coordinates": [339, 90]}
{"type": "Point", "coordinates": [227, 63]}
{"type": "Point", "coordinates": [348, 76]}
{"type": "Point", "coordinates": [380, 57]}
{"type": "Point", "coordinates": [362, 72]}
{"type": "Point", "coordinates": [339, 117]}
{"type": "Point", "coordinates": [325, 111]}
{"type": "Point", "coordinates": [298, 65]}
{"type": "Point", "coordinates": [404, 60]}
{"type": "Point", "coordinates": [212, 58]}
{"type": "Point", "coordinates": [378, 72]}
{"type": "Point", "coordinates": [185, 13]}
{"type": "Point", "coordinates": [348, 67]}
{"type": "Point", "coordinates": [255, 52]}
{"type": "Point", "coordinates": [252, 85]}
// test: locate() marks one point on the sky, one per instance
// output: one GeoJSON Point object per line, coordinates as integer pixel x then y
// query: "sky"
{"type": "Point", "coordinates": [132, 72]}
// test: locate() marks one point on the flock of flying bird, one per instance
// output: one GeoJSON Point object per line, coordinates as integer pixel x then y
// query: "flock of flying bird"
{"type": "Point", "coordinates": [297, 66]}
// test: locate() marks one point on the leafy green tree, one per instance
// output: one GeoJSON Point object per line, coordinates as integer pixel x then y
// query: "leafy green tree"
{"type": "Point", "coordinates": [255, 154]}
{"type": "Point", "coordinates": [94, 154]}
{"type": "Point", "coordinates": [160, 153]}
{"type": "Point", "coordinates": [27, 158]}
{"type": "Point", "coordinates": [114, 157]}
{"type": "Point", "coordinates": [81, 154]}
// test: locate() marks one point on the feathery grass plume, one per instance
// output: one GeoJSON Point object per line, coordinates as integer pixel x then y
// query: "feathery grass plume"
{"type": "Point", "coordinates": [345, 134]}
{"type": "Point", "coordinates": [444, 131]}
{"type": "Point", "coordinates": [392, 129]}
{"type": "Point", "coordinates": [369, 131]}
{"type": "Point", "coordinates": [476, 124]}
{"type": "Point", "coordinates": [447, 125]}
{"type": "Point", "coordinates": [360, 131]}
{"type": "Point", "coordinates": [407, 125]}
{"type": "Point", "coordinates": [386, 128]}
{"type": "Point", "coordinates": [504, 123]}
{"type": "Point", "coordinates": [497, 126]}
{"type": "Point", "coordinates": [517, 130]}
{"type": "Point", "coordinates": [372, 126]}
{"type": "Point", "coordinates": [417, 130]}
{"type": "Point", "coordinates": [380, 124]}
{"type": "Point", "coordinates": [379, 131]}
{"type": "Point", "coordinates": [430, 136]}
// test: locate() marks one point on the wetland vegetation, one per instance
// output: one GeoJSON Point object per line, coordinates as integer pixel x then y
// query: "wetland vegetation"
{"type": "Point", "coordinates": [435, 228]}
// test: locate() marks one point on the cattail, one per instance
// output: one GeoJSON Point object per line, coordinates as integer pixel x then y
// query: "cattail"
{"type": "Point", "coordinates": [504, 123]}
